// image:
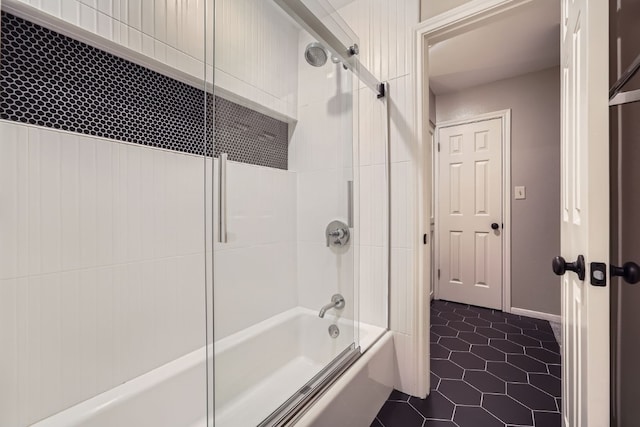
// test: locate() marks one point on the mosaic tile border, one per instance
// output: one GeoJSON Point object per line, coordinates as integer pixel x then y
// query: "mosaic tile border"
{"type": "Point", "coordinates": [51, 80]}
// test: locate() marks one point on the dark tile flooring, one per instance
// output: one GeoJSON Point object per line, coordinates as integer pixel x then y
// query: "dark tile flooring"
{"type": "Point", "coordinates": [488, 369]}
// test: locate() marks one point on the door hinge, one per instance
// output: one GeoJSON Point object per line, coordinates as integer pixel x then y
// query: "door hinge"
{"type": "Point", "coordinates": [438, 147]}
{"type": "Point", "coordinates": [438, 273]}
{"type": "Point", "coordinates": [425, 238]}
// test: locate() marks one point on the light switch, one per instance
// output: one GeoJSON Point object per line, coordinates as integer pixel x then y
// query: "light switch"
{"type": "Point", "coordinates": [520, 192]}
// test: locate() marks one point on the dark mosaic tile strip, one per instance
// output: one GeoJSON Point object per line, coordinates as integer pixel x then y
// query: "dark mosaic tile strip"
{"type": "Point", "coordinates": [249, 136]}
{"type": "Point", "coordinates": [488, 368]}
{"type": "Point", "coordinates": [51, 80]}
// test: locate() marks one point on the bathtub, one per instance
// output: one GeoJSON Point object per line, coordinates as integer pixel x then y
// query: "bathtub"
{"type": "Point", "coordinates": [257, 369]}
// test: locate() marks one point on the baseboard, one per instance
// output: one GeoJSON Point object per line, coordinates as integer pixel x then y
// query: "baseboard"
{"type": "Point", "coordinates": [536, 314]}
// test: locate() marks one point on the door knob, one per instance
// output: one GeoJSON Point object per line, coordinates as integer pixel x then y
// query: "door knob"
{"type": "Point", "coordinates": [630, 272]}
{"type": "Point", "coordinates": [495, 226]}
{"type": "Point", "coordinates": [560, 266]}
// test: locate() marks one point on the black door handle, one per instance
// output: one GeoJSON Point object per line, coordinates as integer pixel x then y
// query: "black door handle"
{"type": "Point", "coordinates": [560, 266]}
{"type": "Point", "coordinates": [495, 226]}
{"type": "Point", "coordinates": [630, 272]}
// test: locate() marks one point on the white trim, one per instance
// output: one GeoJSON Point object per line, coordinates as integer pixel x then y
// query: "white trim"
{"type": "Point", "coordinates": [461, 18]}
{"type": "Point", "coordinates": [457, 20]}
{"type": "Point", "coordinates": [432, 217]}
{"type": "Point", "coordinates": [536, 314]}
{"type": "Point", "coordinates": [506, 210]}
{"type": "Point", "coordinates": [436, 218]}
{"type": "Point", "coordinates": [421, 268]}
{"type": "Point", "coordinates": [505, 117]}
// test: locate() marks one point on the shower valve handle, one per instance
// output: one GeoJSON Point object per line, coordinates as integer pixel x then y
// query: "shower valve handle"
{"type": "Point", "coordinates": [337, 233]}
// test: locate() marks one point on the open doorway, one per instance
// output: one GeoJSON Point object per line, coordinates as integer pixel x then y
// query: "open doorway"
{"type": "Point", "coordinates": [496, 89]}
{"type": "Point", "coordinates": [490, 82]}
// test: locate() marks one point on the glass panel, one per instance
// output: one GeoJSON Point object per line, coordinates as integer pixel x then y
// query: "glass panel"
{"type": "Point", "coordinates": [283, 248]}
{"type": "Point", "coordinates": [373, 207]}
{"type": "Point", "coordinates": [102, 182]}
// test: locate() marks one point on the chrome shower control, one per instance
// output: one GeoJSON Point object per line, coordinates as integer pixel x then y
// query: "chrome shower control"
{"type": "Point", "coordinates": [337, 234]}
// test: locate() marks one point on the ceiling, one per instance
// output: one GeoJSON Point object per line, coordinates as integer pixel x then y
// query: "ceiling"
{"type": "Point", "coordinates": [524, 41]}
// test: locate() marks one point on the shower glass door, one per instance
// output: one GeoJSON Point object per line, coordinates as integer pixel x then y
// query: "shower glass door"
{"type": "Point", "coordinates": [102, 213]}
{"type": "Point", "coordinates": [284, 241]}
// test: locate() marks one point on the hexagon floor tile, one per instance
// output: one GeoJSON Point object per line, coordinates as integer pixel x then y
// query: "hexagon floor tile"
{"type": "Point", "coordinates": [488, 368]}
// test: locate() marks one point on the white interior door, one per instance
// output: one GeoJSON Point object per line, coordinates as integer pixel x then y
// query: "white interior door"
{"type": "Point", "coordinates": [585, 211]}
{"type": "Point", "coordinates": [470, 204]}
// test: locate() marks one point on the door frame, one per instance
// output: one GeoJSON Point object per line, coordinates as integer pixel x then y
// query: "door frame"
{"type": "Point", "coordinates": [431, 232]}
{"type": "Point", "coordinates": [440, 27]}
{"type": "Point", "coordinates": [505, 150]}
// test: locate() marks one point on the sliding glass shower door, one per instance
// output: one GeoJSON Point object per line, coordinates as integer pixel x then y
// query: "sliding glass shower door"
{"type": "Point", "coordinates": [284, 293]}
{"type": "Point", "coordinates": [102, 213]}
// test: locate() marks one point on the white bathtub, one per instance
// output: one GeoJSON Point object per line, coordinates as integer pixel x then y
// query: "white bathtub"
{"type": "Point", "coordinates": [257, 369]}
{"type": "Point", "coordinates": [260, 367]}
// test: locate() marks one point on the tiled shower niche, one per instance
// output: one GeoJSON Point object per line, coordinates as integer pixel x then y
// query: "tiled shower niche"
{"type": "Point", "coordinates": [51, 80]}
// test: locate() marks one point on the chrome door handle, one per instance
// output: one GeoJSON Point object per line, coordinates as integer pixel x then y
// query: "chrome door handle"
{"type": "Point", "coordinates": [222, 198]}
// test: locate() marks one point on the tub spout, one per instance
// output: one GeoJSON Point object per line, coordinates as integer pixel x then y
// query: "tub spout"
{"type": "Point", "coordinates": [337, 302]}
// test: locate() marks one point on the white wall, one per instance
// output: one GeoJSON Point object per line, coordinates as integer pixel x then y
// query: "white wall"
{"type": "Point", "coordinates": [255, 272]}
{"type": "Point", "coordinates": [320, 152]}
{"type": "Point", "coordinates": [115, 232]}
{"type": "Point", "coordinates": [256, 64]}
{"type": "Point", "coordinates": [373, 217]}
{"type": "Point", "coordinates": [431, 8]}
{"type": "Point", "coordinates": [101, 266]}
{"type": "Point", "coordinates": [170, 31]}
{"type": "Point", "coordinates": [534, 100]}
{"type": "Point", "coordinates": [257, 53]}
{"type": "Point", "coordinates": [102, 273]}
{"type": "Point", "coordinates": [385, 29]}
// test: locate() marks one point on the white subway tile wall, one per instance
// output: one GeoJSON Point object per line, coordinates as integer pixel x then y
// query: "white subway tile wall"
{"type": "Point", "coordinates": [256, 55]}
{"type": "Point", "coordinates": [255, 272]}
{"type": "Point", "coordinates": [385, 30]}
{"type": "Point", "coordinates": [102, 265]}
{"type": "Point", "coordinates": [102, 269]}
{"type": "Point", "coordinates": [321, 153]}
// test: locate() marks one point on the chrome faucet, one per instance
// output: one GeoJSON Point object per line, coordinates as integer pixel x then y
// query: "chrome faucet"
{"type": "Point", "coordinates": [337, 302]}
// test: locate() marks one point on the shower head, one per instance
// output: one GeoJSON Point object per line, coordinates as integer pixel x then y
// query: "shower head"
{"type": "Point", "coordinates": [316, 54]}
